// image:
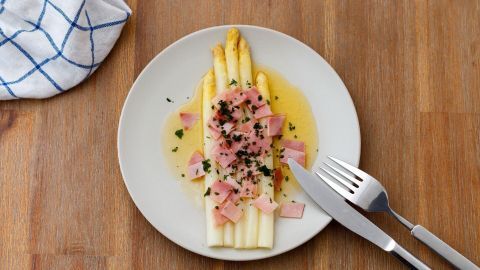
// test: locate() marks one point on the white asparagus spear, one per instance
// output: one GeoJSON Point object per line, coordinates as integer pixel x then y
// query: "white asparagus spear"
{"type": "Point", "coordinates": [265, 221]}
{"type": "Point", "coordinates": [231, 54]}
{"type": "Point", "coordinates": [220, 68]}
{"type": "Point", "coordinates": [214, 233]}
{"type": "Point", "coordinates": [251, 212]}
{"type": "Point", "coordinates": [245, 64]}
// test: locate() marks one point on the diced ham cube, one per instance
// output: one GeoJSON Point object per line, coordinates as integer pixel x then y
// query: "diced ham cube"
{"type": "Point", "coordinates": [215, 125]}
{"type": "Point", "coordinates": [215, 133]}
{"type": "Point", "coordinates": [195, 171]}
{"type": "Point", "coordinates": [265, 204]}
{"type": "Point", "coordinates": [189, 119]}
{"type": "Point", "coordinates": [246, 127]}
{"type": "Point", "coordinates": [218, 217]}
{"type": "Point", "coordinates": [293, 144]}
{"type": "Point", "coordinates": [223, 155]}
{"type": "Point", "coordinates": [292, 210]}
{"type": "Point", "coordinates": [233, 97]}
{"type": "Point", "coordinates": [262, 111]}
{"type": "Point", "coordinates": [298, 156]}
{"type": "Point", "coordinates": [232, 182]}
{"type": "Point", "coordinates": [277, 178]}
{"type": "Point", "coordinates": [274, 125]}
{"type": "Point", "coordinates": [249, 189]}
{"type": "Point", "coordinates": [219, 191]}
{"type": "Point", "coordinates": [195, 166]}
{"type": "Point", "coordinates": [232, 212]}
{"type": "Point", "coordinates": [195, 158]}
{"type": "Point", "coordinates": [234, 196]}
{"type": "Point", "coordinates": [254, 99]}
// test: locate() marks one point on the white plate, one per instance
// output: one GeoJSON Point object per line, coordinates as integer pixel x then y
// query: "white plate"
{"type": "Point", "coordinates": [174, 73]}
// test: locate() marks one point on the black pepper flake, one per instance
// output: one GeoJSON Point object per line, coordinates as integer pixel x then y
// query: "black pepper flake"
{"type": "Point", "coordinates": [207, 193]}
{"type": "Point", "coordinates": [260, 97]}
{"type": "Point", "coordinates": [216, 193]}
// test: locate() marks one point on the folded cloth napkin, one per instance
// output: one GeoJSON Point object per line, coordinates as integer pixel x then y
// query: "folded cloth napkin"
{"type": "Point", "coordinates": [49, 46]}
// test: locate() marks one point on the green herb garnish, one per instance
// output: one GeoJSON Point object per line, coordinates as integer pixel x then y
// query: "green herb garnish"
{"type": "Point", "coordinates": [233, 82]}
{"type": "Point", "coordinates": [179, 133]}
{"type": "Point", "coordinates": [175, 149]}
{"type": "Point", "coordinates": [207, 193]}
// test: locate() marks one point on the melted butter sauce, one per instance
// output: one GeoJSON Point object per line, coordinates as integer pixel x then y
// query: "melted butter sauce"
{"type": "Point", "coordinates": [284, 99]}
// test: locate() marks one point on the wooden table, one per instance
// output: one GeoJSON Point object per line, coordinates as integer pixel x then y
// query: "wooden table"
{"type": "Point", "coordinates": [412, 69]}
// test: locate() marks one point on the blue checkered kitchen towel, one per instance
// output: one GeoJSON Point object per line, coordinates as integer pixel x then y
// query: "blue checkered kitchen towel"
{"type": "Point", "coordinates": [49, 46]}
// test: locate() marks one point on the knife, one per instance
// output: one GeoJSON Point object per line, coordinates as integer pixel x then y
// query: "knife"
{"type": "Point", "coordinates": [344, 214]}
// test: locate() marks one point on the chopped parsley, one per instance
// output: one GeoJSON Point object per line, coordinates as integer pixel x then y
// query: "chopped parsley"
{"type": "Point", "coordinates": [268, 102]}
{"type": "Point", "coordinates": [276, 97]}
{"type": "Point", "coordinates": [206, 165]}
{"type": "Point", "coordinates": [183, 175]}
{"type": "Point", "coordinates": [179, 133]}
{"type": "Point", "coordinates": [259, 97]}
{"type": "Point", "coordinates": [295, 136]}
{"type": "Point", "coordinates": [207, 193]}
{"type": "Point", "coordinates": [233, 82]}
{"type": "Point", "coordinates": [249, 84]}
{"type": "Point", "coordinates": [216, 193]}
{"type": "Point", "coordinates": [265, 170]}
{"type": "Point", "coordinates": [175, 149]}
{"type": "Point", "coordinates": [169, 100]}
{"type": "Point", "coordinates": [286, 178]}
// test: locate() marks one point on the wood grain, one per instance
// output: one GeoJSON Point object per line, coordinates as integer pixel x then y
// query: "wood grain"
{"type": "Point", "coordinates": [412, 69]}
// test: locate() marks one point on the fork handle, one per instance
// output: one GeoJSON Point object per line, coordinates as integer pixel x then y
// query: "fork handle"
{"type": "Point", "coordinates": [442, 248]}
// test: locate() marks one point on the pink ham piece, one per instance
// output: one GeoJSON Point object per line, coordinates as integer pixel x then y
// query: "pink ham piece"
{"type": "Point", "coordinates": [262, 112]}
{"type": "Point", "coordinates": [249, 189]}
{"type": "Point", "coordinates": [232, 182]}
{"type": "Point", "coordinates": [295, 145]}
{"type": "Point", "coordinates": [233, 97]}
{"type": "Point", "coordinates": [218, 217]}
{"type": "Point", "coordinates": [277, 178]}
{"type": "Point", "coordinates": [293, 149]}
{"type": "Point", "coordinates": [246, 127]}
{"type": "Point", "coordinates": [298, 156]}
{"type": "Point", "coordinates": [292, 210]}
{"type": "Point", "coordinates": [265, 204]}
{"type": "Point", "coordinates": [189, 119]}
{"type": "Point", "coordinates": [195, 166]}
{"type": "Point", "coordinates": [215, 125]}
{"type": "Point", "coordinates": [274, 125]}
{"type": "Point", "coordinates": [231, 211]}
{"type": "Point", "coordinates": [195, 158]}
{"type": "Point", "coordinates": [254, 99]}
{"type": "Point", "coordinates": [223, 155]}
{"type": "Point", "coordinates": [219, 191]}
{"type": "Point", "coordinates": [234, 196]}
{"type": "Point", "coordinates": [195, 171]}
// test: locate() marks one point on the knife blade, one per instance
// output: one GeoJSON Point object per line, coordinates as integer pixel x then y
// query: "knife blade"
{"type": "Point", "coordinates": [343, 213]}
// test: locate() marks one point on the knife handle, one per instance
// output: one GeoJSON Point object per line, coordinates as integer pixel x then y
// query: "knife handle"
{"type": "Point", "coordinates": [442, 248]}
{"type": "Point", "coordinates": [407, 258]}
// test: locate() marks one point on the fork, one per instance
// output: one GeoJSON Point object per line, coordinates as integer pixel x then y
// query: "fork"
{"type": "Point", "coordinates": [366, 192]}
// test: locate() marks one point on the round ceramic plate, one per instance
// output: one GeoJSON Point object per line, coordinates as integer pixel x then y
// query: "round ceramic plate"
{"type": "Point", "coordinates": [174, 73]}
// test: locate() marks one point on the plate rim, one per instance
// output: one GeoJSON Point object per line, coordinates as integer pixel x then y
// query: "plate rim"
{"type": "Point", "coordinates": [169, 47]}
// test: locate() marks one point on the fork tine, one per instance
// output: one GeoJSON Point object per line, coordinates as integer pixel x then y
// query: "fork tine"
{"type": "Point", "coordinates": [340, 179]}
{"type": "Point", "coordinates": [351, 168]}
{"type": "Point", "coordinates": [346, 175]}
{"type": "Point", "coordinates": [336, 187]}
